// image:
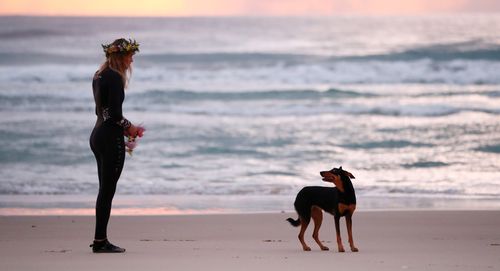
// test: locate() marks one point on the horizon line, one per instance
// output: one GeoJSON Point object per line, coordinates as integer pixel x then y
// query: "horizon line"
{"type": "Point", "coordinates": [354, 14]}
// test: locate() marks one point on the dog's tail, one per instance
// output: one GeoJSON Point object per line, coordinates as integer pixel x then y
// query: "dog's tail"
{"type": "Point", "coordinates": [294, 223]}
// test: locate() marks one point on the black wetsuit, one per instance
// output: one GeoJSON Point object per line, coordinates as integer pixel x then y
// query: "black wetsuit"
{"type": "Point", "coordinates": [107, 142]}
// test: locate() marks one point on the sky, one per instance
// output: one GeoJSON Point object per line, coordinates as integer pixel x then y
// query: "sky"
{"type": "Point", "coordinates": [242, 7]}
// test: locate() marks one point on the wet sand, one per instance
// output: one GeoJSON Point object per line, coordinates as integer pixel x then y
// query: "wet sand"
{"type": "Point", "coordinates": [387, 240]}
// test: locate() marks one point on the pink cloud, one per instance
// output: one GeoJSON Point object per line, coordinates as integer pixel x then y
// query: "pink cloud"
{"type": "Point", "coordinates": [243, 7]}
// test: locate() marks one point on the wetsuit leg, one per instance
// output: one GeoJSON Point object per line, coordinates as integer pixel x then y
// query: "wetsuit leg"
{"type": "Point", "coordinates": [109, 150]}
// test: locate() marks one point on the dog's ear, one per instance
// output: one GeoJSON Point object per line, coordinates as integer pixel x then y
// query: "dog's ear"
{"type": "Point", "coordinates": [349, 174]}
{"type": "Point", "coordinates": [343, 172]}
{"type": "Point", "coordinates": [346, 173]}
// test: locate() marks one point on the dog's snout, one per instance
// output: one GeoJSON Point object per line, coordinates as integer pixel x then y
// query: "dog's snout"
{"type": "Point", "coordinates": [322, 173]}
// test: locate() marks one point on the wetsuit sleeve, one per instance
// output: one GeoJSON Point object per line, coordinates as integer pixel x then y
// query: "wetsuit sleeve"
{"type": "Point", "coordinates": [116, 95]}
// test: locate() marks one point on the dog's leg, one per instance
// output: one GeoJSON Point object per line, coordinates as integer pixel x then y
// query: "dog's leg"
{"type": "Point", "coordinates": [317, 216]}
{"type": "Point", "coordinates": [337, 229]}
{"type": "Point", "coordinates": [303, 227]}
{"type": "Point", "coordinates": [348, 220]}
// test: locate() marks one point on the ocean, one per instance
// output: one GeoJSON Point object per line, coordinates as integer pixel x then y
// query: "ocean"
{"type": "Point", "coordinates": [241, 112]}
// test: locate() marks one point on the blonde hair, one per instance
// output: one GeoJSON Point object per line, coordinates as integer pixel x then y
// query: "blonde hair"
{"type": "Point", "coordinates": [116, 62]}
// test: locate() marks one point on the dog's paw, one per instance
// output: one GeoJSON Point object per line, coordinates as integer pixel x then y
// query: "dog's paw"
{"type": "Point", "coordinates": [341, 249]}
{"type": "Point", "coordinates": [306, 248]}
{"type": "Point", "coordinates": [324, 248]}
{"type": "Point", "coordinates": [354, 249]}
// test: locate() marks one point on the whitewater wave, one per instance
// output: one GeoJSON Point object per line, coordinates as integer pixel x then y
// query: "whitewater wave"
{"type": "Point", "coordinates": [461, 72]}
{"type": "Point", "coordinates": [265, 103]}
{"type": "Point", "coordinates": [469, 50]}
{"type": "Point", "coordinates": [465, 51]}
{"type": "Point", "coordinates": [474, 50]}
{"type": "Point", "coordinates": [175, 95]}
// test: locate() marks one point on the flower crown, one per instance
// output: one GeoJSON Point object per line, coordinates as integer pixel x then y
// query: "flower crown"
{"type": "Point", "coordinates": [126, 46]}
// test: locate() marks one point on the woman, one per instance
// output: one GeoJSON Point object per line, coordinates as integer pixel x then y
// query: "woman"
{"type": "Point", "coordinates": [107, 138]}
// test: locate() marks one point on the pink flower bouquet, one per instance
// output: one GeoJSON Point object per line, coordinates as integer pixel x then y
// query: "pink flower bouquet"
{"type": "Point", "coordinates": [131, 142]}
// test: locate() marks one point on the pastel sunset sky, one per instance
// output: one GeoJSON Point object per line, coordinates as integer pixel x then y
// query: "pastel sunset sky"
{"type": "Point", "coordinates": [242, 7]}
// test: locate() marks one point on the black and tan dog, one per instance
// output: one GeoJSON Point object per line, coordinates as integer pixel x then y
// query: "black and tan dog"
{"type": "Point", "coordinates": [338, 201]}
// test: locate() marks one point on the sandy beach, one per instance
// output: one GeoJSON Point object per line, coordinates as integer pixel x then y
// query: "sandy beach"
{"type": "Point", "coordinates": [388, 240]}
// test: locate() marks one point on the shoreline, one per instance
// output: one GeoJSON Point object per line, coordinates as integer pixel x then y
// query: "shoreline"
{"type": "Point", "coordinates": [388, 240]}
{"type": "Point", "coordinates": [158, 205]}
